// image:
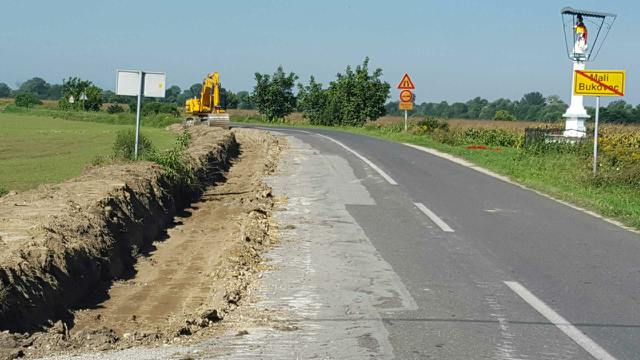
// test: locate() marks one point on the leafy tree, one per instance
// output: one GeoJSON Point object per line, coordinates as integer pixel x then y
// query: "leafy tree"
{"type": "Point", "coordinates": [442, 109]}
{"type": "Point", "coordinates": [429, 109]}
{"type": "Point", "coordinates": [196, 89]}
{"type": "Point", "coordinates": [5, 90]}
{"type": "Point", "coordinates": [504, 115]}
{"type": "Point", "coordinates": [636, 114]}
{"type": "Point", "coordinates": [184, 96]}
{"type": "Point", "coordinates": [533, 98]}
{"type": "Point", "coordinates": [37, 86]}
{"type": "Point", "coordinates": [357, 96]}
{"type": "Point", "coordinates": [312, 101]}
{"type": "Point", "coordinates": [75, 87]}
{"type": "Point", "coordinates": [244, 100]}
{"type": "Point", "coordinates": [171, 94]}
{"type": "Point", "coordinates": [391, 108]}
{"type": "Point", "coordinates": [193, 91]}
{"type": "Point", "coordinates": [474, 107]}
{"type": "Point", "coordinates": [487, 111]}
{"type": "Point", "coordinates": [554, 109]}
{"type": "Point", "coordinates": [530, 106]}
{"type": "Point", "coordinates": [109, 96]}
{"type": "Point", "coordinates": [27, 100]}
{"type": "Point", "coordinates": [618, 111]}
{"type": "Point", "coordinates": [228, 99]}
{"type": "Point", "coordinates": [273, 94]}
{"type": "Point", "coordinates": [458, 110]}
{"type": "Point", "coordinates": [55, 92]}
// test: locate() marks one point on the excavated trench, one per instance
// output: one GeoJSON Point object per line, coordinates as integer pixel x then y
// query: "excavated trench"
{"type": "Point", "coordinates": [123, 255]}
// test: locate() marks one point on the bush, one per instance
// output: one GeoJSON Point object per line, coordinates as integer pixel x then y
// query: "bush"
{"type": "Point", "coordinates": [155, 108]}
{"type": "Point", "coordinates": [27, 100]}
{"type": "Point", "coordinates": [445, 136]}
{"type": "Point", "coordinates": [3, 191]}
{"type": "Point", "coordinates": [174, 164]}
{"type": "Point", "coordinates": [620, 148]}
{"type": "Point", "coordinates": [76, 87]}
{"type": "Point", "coordinates": [428, 125]}
{"type": "Point", "coordinates": [171, 109]}
{"type": "Point", "coordinates": [619, 157]}
{"type": "Point", "coordinates": [491, 137]}
{"type": "Point", "coordinates": [273, 94]}
{"type": "Point", "coordinates": [115, 109]}
{"type": "Point", "coordinates": [628, 174]}
{"type": "Point", "coordinates": [504, 115]}
{"type": "Point", "coordinates": [124, 146]}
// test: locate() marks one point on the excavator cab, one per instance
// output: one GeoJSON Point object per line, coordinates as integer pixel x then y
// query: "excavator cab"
{"type": "Point", "coordinates": [207, 108]}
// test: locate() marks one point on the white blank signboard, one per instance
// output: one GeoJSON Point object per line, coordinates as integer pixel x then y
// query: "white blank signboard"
{"type": "Point", "coordinates": [154, 84]}
{"type": "Point", "coordinates": [128, 83]}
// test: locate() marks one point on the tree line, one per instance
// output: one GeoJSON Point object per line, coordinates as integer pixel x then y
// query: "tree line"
{"type": "Point", "coordinates": [34, 90]}
{"type": "Point", "coordinates": [352, 98]}
{"type": "Point", "coordinates": [532, 106]}
{"type": "Point", "coordinates": [358, 95]}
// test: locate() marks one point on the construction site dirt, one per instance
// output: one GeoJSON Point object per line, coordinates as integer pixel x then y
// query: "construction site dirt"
{"type": "Point", "coordinates": [193, 275]}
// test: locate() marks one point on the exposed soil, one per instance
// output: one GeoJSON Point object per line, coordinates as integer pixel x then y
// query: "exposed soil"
{"type": "Point", "coordinates": [179, 283]}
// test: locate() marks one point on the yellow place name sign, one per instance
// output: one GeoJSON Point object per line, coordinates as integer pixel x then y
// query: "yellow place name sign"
{"type": "Point", "coordinates": [599, 82]}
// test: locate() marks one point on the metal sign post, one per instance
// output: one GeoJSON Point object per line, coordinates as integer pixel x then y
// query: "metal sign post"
{"type": "Point", "coordinates": [406, 126]}
{"type": "Point", "coordinates": [141, 90]}
{"type": "Point", "coordinates": [595, 137]}
{"type": "Point", "coordinates": [140, 83]}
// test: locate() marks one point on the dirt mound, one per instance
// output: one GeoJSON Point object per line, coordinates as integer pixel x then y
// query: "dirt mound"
{"type": "Point", "coordinates": [189, 280]}
{"type": "Point", "coordinates": [59, 243]}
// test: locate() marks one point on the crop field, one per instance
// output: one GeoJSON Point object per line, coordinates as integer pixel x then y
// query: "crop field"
{"type": "Point", "coordinates": [37, 149]}
{"type": "Point", "coordinates": [505, 125]}
{"type": "Point", "coordinates": [515, 126]}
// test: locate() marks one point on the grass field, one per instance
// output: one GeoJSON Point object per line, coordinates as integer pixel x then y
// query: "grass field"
{"type": "Point", "coordinates": [36, 148]}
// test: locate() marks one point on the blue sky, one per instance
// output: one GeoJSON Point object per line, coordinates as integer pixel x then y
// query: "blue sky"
{"type": "Point", "coordinates": [454, 50]}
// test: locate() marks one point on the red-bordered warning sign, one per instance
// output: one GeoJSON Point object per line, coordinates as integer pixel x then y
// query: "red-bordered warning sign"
{"type": "Point", "coordinates": [406, 96]}
{"type": "Point", "coordinates": [406, 83]}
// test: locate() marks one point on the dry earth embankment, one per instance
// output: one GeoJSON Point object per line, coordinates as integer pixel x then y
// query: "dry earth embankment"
{"type": "Point", "coordinates": [61, 243]}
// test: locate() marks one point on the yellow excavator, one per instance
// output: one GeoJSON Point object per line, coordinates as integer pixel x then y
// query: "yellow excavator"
{"type": "Point", "coordinates": [207, 109]}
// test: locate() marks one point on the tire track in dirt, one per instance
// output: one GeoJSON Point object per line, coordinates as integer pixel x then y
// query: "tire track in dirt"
{"type": "Point", "coordinates": [177, 277]}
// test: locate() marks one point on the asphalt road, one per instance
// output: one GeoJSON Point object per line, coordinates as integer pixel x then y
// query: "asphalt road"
{"type": "Point", "coordinates": [495, 271]}
{"type": "Point", "coordinates": [389, 252]}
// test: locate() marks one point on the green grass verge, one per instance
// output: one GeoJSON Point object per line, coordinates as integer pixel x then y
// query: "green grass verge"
{"type": "Point", "coordinates": [563, 176]}
{"type": "Point", "coordinates": [125, 118]}
{"type": "Point", "coordinates": [36, 148]}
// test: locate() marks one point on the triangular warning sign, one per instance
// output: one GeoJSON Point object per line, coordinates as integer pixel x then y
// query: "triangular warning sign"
{"type": "Point", "coordinates": [406, 83]}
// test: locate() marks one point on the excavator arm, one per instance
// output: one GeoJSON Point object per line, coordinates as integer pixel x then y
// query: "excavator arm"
{"type": "Point", "coordinates": [208, 106]}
